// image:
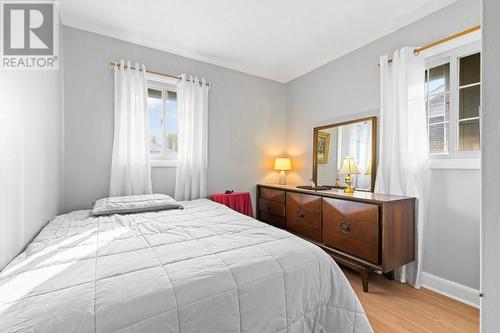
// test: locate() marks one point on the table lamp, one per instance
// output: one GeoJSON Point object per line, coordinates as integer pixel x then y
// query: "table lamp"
{"type": "Point", "coordinates": [348, 168]}
{"type": "Point", "coordinates": [282, 164]}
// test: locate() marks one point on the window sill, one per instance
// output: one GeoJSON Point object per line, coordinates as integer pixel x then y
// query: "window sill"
{"type": "Point", "coordinates": [455, 163]}
{"type": "Point", "coordinates": [163, 164]}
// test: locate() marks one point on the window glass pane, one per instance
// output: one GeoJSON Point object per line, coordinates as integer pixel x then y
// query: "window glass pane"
{"type": "Point", "coordinates": [439, 79]}
{"type": "Point", "coordinates": [438, 138]}
{"type": "Point", "coordinates": [470, 69]}
{"type": "Point", "coordinates": [468, 135]}
{"type": "Point", "coordinates": [438, 108]}
{"type": "Point", "coordinates": [171, 127]}
{"type": "Point", "coordinates": [155, 121]}
{"type": "Point", "coordinates": [470, 99]}
{"type": "Point", "coordinates": [469, 103]}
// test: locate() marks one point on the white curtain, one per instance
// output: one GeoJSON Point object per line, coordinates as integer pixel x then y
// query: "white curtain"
{"type": "Point", "coordinates": [403, 165]}
{"type": "Point", "coordinates": [355, 141]}
{"type": "Point", "coordinates": [130, 165]}
{"type": "Point", "coordinates": [360, 149]}
{"type": "Point", "coordinates": [192, 162]}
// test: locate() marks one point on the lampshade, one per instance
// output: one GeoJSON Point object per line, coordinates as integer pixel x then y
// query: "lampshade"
{"type": "Point", "coordinates": [282, 164]}
{"type": "Point", "coordinates": [368, 171]}
{"type": "Point", "coordinates": [348, 167]}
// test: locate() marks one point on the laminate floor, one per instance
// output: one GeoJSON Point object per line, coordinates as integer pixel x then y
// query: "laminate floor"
{"type": "Point", "coordinates": [395, 307]}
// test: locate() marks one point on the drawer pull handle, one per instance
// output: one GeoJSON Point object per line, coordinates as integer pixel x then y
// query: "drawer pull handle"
{"type": "Point", "coordinates": [268, 206]}
{"type": "Point", "coordinates": [345, 226]}
{"type": "Point", "coordinates": [300, 214]}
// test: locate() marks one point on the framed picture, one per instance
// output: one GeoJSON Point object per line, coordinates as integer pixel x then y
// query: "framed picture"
{"type": "Point", "coordinates": [323, 147]}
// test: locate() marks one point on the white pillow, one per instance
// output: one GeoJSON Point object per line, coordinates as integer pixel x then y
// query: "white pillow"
{"type": "Point", "coordinates": [134, 204]}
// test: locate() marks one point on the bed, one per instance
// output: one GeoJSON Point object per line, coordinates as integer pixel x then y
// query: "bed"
{"type": "Point", "coordinates": [205, 268]}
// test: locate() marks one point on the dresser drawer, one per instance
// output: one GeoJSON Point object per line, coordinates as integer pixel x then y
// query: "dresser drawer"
{"type": "Point", "coordinates": [303, 215]}
{"type": "Point", "coordinates": [272, 207]}
{"type": "Point", "coordinates": [352, 227]}
{"type": "Point", "coordinates": [277, 221]}
{"type": "Point", "coordinates": [273, 195]}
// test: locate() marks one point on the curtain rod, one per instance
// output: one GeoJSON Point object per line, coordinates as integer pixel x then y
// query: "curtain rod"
{"type": "Point", "coordinates": [444, 40]}
{"type": "Point", "coordinates": [114, 63]}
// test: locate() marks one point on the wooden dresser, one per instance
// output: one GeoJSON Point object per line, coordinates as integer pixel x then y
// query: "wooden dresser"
{"type": "Point", "coordinates": [364, 231]}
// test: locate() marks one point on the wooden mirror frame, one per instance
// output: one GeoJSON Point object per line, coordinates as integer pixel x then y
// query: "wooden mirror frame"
{"type": "Point", "coordinates": [374, 147]}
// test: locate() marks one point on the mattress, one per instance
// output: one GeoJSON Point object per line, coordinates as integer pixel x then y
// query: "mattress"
{"type": "Point", "coordinates": [206, 268]}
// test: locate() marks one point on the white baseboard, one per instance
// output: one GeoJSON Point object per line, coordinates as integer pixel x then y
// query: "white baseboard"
{"type": "Point", "coordinates": [451, 289]}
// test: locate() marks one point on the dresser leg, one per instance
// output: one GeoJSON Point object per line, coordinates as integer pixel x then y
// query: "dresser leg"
{"type": "Point", "coordinates": [364, 279]}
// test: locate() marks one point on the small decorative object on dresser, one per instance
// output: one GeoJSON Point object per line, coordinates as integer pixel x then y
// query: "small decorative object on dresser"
{"type": "Point", "coordinates": [238, 201]}
{"type": "Point", "coordinates": [364, 231]}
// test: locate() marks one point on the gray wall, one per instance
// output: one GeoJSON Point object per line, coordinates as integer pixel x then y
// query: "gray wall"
{"type": "Point", "coordinates": [31, 149]}
{"type": "Point", "coordinates": [349, 88]}
{"type": "Point", "coordinates": [246, 119]}
{"type": "Point", "coordinates": [490, 224]}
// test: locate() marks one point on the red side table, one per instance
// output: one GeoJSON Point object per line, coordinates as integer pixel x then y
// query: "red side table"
{"type": "Point", "coordinates": [239, 201]}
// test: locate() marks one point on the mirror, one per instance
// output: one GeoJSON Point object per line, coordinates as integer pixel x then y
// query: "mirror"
{"type": "Point", "coordinates": [346, 147]}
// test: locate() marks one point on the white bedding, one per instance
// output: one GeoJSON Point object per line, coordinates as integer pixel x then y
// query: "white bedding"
{"type": "Point", "coordinates": [202, 269]}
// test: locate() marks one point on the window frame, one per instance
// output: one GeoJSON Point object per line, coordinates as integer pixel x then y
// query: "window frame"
{"type": "Point", "coordinates": [159, 82]}
{"type": "Point", "coordinates": [451, 53]}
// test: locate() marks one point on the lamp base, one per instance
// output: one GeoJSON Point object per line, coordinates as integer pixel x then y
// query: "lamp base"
{"type": "Point", "coordinates": [348, 182]}
{"type": "Point", "coordinates": [282, 178]}
{"type": "Point", "coordinates": [349, 190]}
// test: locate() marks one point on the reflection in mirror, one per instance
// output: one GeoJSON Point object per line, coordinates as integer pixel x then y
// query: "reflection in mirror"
{"type": "Point", "coordinates": [336, 145]}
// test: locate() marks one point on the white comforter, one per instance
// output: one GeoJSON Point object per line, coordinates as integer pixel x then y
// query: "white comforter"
{"type": "Point", "coordinates": [202, 269]}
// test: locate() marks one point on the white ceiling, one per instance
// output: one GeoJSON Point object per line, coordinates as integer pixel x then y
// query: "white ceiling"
{"type": "Point", "coordinates": [275, 39]}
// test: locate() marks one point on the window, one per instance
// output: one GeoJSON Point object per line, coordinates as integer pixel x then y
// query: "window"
{"type": "Point", "coordinates": [162, 105]}
{"type": "Point", "coordinates": [453, 102]}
